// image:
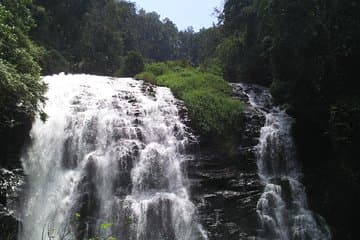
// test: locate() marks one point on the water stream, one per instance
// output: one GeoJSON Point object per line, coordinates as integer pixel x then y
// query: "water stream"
{"type": "Point", "coordinates": [282, 207]}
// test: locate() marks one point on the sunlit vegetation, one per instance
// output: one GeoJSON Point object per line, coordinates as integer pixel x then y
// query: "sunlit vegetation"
{"type": "Point", "coordinates": [214, 113]}
{"type": "Point", "coordinates": [21, 92]}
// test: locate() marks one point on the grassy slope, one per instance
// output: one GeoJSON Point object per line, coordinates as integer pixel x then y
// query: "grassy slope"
{"type": "Point", "coordinates": [214, 114]}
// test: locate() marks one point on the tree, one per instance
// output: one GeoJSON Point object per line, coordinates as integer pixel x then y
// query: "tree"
{"type": "Point", "coordinates": [308, 52]}
{"type": "Point", "coordinates": [133, 64]}
{"type": "Point", "coordinates": [21, 91]}
{"type": "Point", "coordinates": [94, 36]}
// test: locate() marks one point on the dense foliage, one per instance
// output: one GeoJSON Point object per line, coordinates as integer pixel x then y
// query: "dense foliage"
{"type": "Point", "coordinates": [21, 92]}
{"type": "Point", "coordinates": [95, 36]}
{"type": "Point", "coordinates": [307, 51]}
{"type": "Point", "coordinates": [133, 64]}
{"type": "Point", "coordinates": [214, 113]}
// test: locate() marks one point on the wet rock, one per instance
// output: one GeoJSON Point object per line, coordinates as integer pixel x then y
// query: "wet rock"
{"type": "Point", "coordinates": [9, 226]}
{"type": "Point", "coordinates": [10, 184]}
{"type": "Point", "coordinates": [226, 189]}
{"type": "Point", "coordinates": [226, 192]}
{"type": "Point", "coordinates": [149, 90]}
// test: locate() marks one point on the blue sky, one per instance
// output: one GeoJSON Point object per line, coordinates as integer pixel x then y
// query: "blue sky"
{"type": "Point", "coordinates": [184, 13]}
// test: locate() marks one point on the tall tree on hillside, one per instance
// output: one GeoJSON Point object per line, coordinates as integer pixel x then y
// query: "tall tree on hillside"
{"type": "Point", "coordinates": [106, 36]}
{"type": "Point", "coordinates": [242, 53]}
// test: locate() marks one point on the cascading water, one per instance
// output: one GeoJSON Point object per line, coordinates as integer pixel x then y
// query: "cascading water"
{"type": "Point", "coordinates": [282, 207]}
{"type": "Point", "coordinates": [107, 162]}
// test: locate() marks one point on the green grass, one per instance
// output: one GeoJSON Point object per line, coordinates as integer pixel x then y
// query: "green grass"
{"type": "Point", "coordinates": [212, 110]}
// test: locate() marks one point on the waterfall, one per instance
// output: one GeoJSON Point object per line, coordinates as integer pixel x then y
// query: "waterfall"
{"type": "Point", "coordinates": [107, 163]}
{"type": "Point", "coordinates": [282, 207]}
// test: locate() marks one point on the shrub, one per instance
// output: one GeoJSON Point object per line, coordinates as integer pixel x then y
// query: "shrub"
{"type": "Point", "coordinates": [146, 76]}
{"type": "Point", "coordinates": [214, 113]}
{"type": "Point", "coordinates": [188, 79]}
{"type": "Point", "coordinates": [133, 64]}
{"type": "Point", "coordinates": [157, 68]}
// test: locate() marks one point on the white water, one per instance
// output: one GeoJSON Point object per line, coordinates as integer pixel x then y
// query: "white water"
{"type": "Point", "coordinates": [110, 152]}
{"type": "Point", "coordinates": [282, 207]}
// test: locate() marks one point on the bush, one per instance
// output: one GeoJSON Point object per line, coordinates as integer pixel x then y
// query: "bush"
{"type": "Point", "coordinates": [214, 113]}
{"type": "Point", "coordinates": [157, 68]}
{"type": "Point", "coordinates": [188, 79]}
{"type": "Point", "coordinates": [52, 61]}
{"type": "Point", "coordinates": [133, 64]}
{"type": "Point", "coordinates": [21, 91]}
{"type": "Point", "coordinates": [146, 76]}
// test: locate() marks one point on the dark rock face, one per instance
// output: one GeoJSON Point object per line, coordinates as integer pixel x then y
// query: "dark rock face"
{"type": "Point", "coordinates": [226, 192]}
{"type": "Point", "coordinates": [10, 184]}
{"type": "Point", "coordinates": [226, 189]}
{"type": "Point", "coordinates": [8, 226]}
{"type": "Point", "coordinates": [11, 177]}
{"type": "Point", "coordinates": [333, 190]}
{"type": "Point", "coordinates": [12, 141]}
